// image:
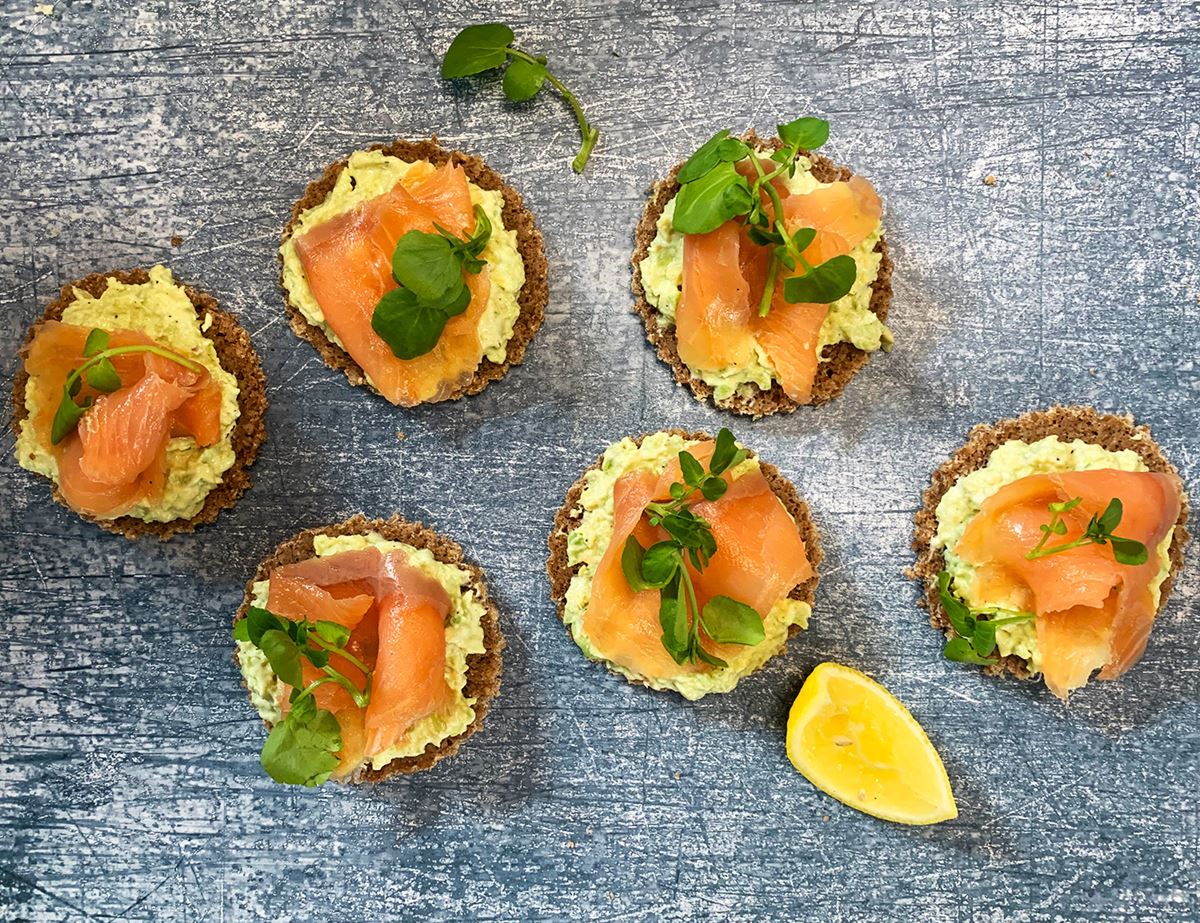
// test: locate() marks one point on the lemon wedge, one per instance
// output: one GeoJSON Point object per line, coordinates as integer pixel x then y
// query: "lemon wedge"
{"type": "Point", "coordinates": [854, 740]}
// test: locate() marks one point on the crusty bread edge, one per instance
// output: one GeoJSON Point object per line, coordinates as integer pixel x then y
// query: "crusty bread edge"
{"type": "Point", "coordinates": [841, 361]}
{"type": "Point", "coordinates": [1108, 431]}
{"type": "Point", "coordinates": [570, 516]}
{"type": "Point", "coordinates": [531, 300]}
{"type": "Point", "coordinates": [237, 356]}
{"type": "Point", "coordinates": [483, 670]}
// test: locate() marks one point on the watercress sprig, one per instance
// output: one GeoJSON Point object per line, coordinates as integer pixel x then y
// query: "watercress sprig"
{"type": "Point", "coordinates": [663, 566]}
{"type": "Point", "coordinates": [100, 374]}
{"type": "Point", "coordinates": [976, 628]}
{"type": "Point", "coordinates": [428, 268]}
{"type": "Point", "coordinates": [1099, 531]}
{"type": "Point", "coordinates": [712, 191]}
{"type": "Point", "coordinates": [487, 46]}
{"type": "Point", "coordinates": [301, 748]}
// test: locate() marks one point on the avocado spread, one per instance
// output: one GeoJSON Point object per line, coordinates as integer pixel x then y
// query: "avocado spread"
{"type": "Point", "coordinates": [370, 174]}
{"type": "Point", "coordinates": [162, 311]}
{"type": "Point", "coordinates": [589, 540]}
{"type": "Point", "coordinates": [464, 636]}
{"type": "Point", "coordinates": [1011, 462]}
{"type": "Point", "coordinates": [850, 318]}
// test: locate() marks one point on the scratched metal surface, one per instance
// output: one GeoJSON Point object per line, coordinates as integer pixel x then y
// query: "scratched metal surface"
{"type": "Point", "coordinates": [129, 783]}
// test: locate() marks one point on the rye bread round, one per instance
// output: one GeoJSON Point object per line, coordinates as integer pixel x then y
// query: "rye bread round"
{"type": "Point", "coordinates": [483, 670]}
{"type": "Point", "coordinates": [1108, 431]}
{"type": "Point", "coordinates": [517, 218]}
{"type": "Point", "coordinates": [840, 361]}
{"type": "Point", "coordinates": [570, 516]}
{"type": "Point", "coordinates": [237, 356]}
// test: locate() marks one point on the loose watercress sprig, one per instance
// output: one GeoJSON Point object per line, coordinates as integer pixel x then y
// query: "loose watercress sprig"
{"type": "Point", "coordinates": [712, 191]}
{"type": "Point", "coordinates": [663, 566]}
{"type": "Point", "coordinates": [485, 47]}
{"type": "Point", "coordinates": [428, 268]}
{"type": "Point", "coordinates": [976, 628]}
{"type": "Point", "coordinates": [301, 748]}
{"type": "Point", "coordinates": [100, 374]}
{"type": "Point", "coordinates": [1099, 531]}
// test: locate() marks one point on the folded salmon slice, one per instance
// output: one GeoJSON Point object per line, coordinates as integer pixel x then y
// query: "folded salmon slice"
{"type": "Point", "coordinates": [716, 320]}
{"type": "Point", "coordinates": [348, 264]}
{"type": "Point", "coordinates": [1092, 612]}
{"type": "Point", "coordinates": [397, 616]}
{"type": "Point", "coordinates": [117, 455]}
{"type": "Point", "coordinates": [760, 558]}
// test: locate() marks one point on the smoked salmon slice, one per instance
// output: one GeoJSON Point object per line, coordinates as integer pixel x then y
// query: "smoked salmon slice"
{"type": "Point", "coordinates": [348, 264]}
{"type": "Point", "coordinates": [716, 320]}
{"type": "Point", "coordinates": [760, 558]}
{"type": "Point", "coordinates": [1091, 612]}
{"type": "Point", "coordinates": [117, 455]}
{"type": "Point", "coordinates": [397, 616]}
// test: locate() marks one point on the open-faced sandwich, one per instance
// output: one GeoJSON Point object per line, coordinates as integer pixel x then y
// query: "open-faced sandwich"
{"type": "Point", "coordinates": [141, 401]}
{"type": "Point", "coordinates": [414, 270]}
{"type": "Point", "coordinates": [683, 562]}
{"type": "Point", "coordinates": [369, 648]}
{"type": "Point", "coordinates": [761, 273]}
{"type": "Point", "coordinates": [1048, 544]}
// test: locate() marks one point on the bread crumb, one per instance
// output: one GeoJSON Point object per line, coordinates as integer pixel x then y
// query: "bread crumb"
{"type": "Point", "coordinates": [400, 435]}
{"type": "Point", "coordinates": [46, 9]}
{"type": "Point", "coordinates": [176, 240]}
{"type": "Point", "coordinates": [570, 844]}
{"type": "Point", "coordinates": [990, 179]}
{"type": "Point", "coordinates": [678, 775]}
{"type": "Point", "coordinates": [1092, 372]}
{"type": "Point", "coordinates": [825, 818]}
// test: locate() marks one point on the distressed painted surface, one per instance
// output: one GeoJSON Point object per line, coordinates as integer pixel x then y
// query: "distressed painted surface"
{"type": "Point", "coordinates": [129, 783]}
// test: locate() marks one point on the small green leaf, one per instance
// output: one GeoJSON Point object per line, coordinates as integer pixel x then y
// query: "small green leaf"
{"type": "Point", "coordinates": [733, 150]}
{"type": "Point", "coordinates": [805, 133]}
{"type": "Point", "coordinates": [706, 203]}
{"type": "Point", "coordinates": [723, 452]}
{"type": "Point", "coordinates": [476, 49]}
{"type": "Point", "coordinates": [475, 244]}
{"type": "Point", "coordinates": [677, 490]}
{"type": "Point", "coordinates": [67, 416]}
{"type": "Point", "coordinates": [409, 326]}
{"type": "Point", "coordinates": [1065, 505]}
{"type": "Point", "coordinates": [984, 638]}
{"type": "Point", "coordinates": [460, 302]}
{"type": "Point", "coordinates": [317, 656]}
{"type": "Point", "coordinates": [826, 283]}
{"type": "Point", "coordinates": [713, 488]}
{"type": "Point", "coordinates": [241, 630]}
{"type": "Point", "coordinates": [632, 556]}
{"type": "Point", "coordinates": [660, 564]}
{"type": "Point", "coordinates": [763, 238]}
{"type": "Point", "coordinates": [803, 238]}
{"type": "Point", "coordinates": [332, 632]}
{"type": "Point", "coordinates": [96, 342]}
{"type": "Point", "coordinates": [1111, 517]}
{"type": "Point", "coordinates": [300, 749]}
{"type": "Point", "coordinates": [426, 265]}
{"type": "Point", "coordinates": [672, 616]}
{"type": "Point", "coordinates": [523, 79]}
{"type": "Point", "coordinates": [958, 613]}
{"type": "Point", "coordinates": [1128, 551]}
{"type": "Point", "coordinates": [711, 659]}
{"type": "Point", "coordinates": [960, 649]}
{"type": "Point", "coordinates": [706, 157]}
{"type": "Point", "coordinates": [103, 376]}
{"type": "Point", "coordinates": [259, 621]}
{"type": "Point", "coordinates": [728, 621]}
{"type": "Point", "coordinates": [692, 470]}
{"type": "Point", "coordinates": [284, 656]}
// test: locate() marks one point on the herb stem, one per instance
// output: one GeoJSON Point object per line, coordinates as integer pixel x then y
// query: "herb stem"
{"type": "Point", "coordinates": [768, 293]}
{"type": "Point", "coordinates": [589, 134]}
{"type": "Point", "coordinates": [123, 350]}
{"type": "Point", "coordinates": [340, 651]}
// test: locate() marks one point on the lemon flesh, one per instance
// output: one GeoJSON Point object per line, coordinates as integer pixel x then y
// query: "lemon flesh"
{"type": "Point", "coordinates": [855, 741]}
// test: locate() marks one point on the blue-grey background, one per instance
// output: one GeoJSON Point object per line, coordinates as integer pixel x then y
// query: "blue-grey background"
{"type": "Point", "coordinates": [129, 779]}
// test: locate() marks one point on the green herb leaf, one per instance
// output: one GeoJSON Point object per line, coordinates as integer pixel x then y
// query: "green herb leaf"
{"type": "Point", "coordinates": [958, 613]}
{"type": "Point", "coordinates": [672, 616]}
{"type": "Point", "coordinates": [961, 650]}
{"type": "Point", "coordinates": [632, 556]}
{"type": "Point", "coordinates": [426, 265]}
{"type": "Point", "coordinates": [96, 342]}
{"type": "Point", "coordinates": [259, 621]}
{"type": "Point", "coordinates": [1111, 517]}
{"type": "Point", "coordinates": [1128, 551]}
{"type": "Point", "coordinates": [728, 621]}
{"type": "Point", "coordinates": [475, 244]}
{"type": "Point", "coordinates": [332, 632]}
{"type": "Point", "coordinates": [523, 79]}
{"type": "Point", "coordinates": [702, 162]}
{"type": "Point", "coordinates": [706, 203]}
{"type": "Point", "coordinates": [714, 488]}
{"type": "Point", "coordinates": [733, 150]}
{"type": "Point", "coordinates": [409, 326]}
{"type": "Point", "coordinates": [300, 749]}
{"type": "Point", "coordinates": [803, 238]}
{"type": "Point", "coordinates": [711, 659]}
{"type": "Point", "coordinates": [476, 49]}
{"type": "Point", "coordinates": [102, 376]}
{"type": "Point", "coordinates": [67, 416]}
{"type": "Point", "coordinates": [692, 470]}
{"type": "Point", "coordinates": [723, 452]}
{"type": "Point", "coordinates": [984, 638]}
{"type": "Point", "coordinates": [806, 133]}
{"type": "Point", "coordinates": [283, 654]}
{"type": "Point", "coordinates": [660, 564]}
{"type": "Point", "coordinates": [825, 284]}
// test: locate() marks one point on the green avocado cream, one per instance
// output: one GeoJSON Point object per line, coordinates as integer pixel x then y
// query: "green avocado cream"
{"type": "Point", "coordinates": [589, 540]}
{"type": "Point", "coordinates": [464, 636]}
{"type": "Point", "coordinates": [370, 174]}
{"type": "Point", "coordinates": [850, 319]}
{"type": "Point", "coordinates": [1011, 462]}
{"type": "Point", "coordinates": [162, 311]}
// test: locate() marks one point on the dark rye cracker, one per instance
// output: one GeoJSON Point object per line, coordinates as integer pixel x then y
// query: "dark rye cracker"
{"type": "Point", "coordinates": [483, 670]}
{"type": "Point", "coordinates": [236, 355]}
{"type": "Point", "coordinates": [1068, 423]}
{"type": "Point", "coordinates": [840, 362]}
{"type": "Point", "coordinates": [570, 516]}
{"type": "Point", "coordinates": [517, 218]}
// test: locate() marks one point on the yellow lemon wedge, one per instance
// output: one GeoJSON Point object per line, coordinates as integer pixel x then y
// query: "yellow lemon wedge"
{"type": "Point", "coordinates": [854, 740]}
